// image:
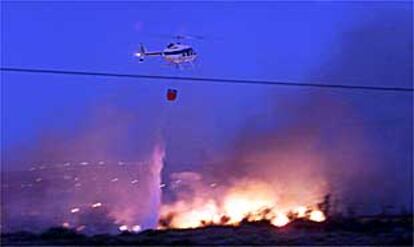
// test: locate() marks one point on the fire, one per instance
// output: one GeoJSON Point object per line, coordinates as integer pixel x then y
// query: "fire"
{"type": "Point", "coordinates": [126, 228]}
{"type": "Point", "coordinates": [280, 220]}
{"type": "Point", "coordinates": [317, 216]}
{"type": "Point", "coordinates": [247, 201]}
{"type": "Point", "coordinates": [300, 211]}
{"type": "Point", "coordinates": [123, 228]}
{"type": "Point", "coordinates": [136, 228]}
{"type": "Point", "coordinates": [74, 210]}
{"type": "Point", "coordinates": [96, 205]}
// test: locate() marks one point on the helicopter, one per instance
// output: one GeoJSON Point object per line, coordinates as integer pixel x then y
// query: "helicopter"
{"type": "Point", "coordinates": [175, 53]}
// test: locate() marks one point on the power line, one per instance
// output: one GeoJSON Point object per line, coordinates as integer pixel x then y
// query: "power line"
{"type": "Point", "coordinates": [204, 79]}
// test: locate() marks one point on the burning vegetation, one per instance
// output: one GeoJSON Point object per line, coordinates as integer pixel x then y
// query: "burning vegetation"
{"type": "Point", "coordinates": [247, 200]}
{"type": "Point", "coordinates": [270, 180]}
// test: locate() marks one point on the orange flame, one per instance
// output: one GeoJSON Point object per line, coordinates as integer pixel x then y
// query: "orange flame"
{"type": "Point", "coordinates": [251, 201]}
{"type": "Point", "coordinates": [317, 216]}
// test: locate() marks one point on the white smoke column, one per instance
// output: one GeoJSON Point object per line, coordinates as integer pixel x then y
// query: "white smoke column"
{"type": "Point", "coordinates": [156, 165]}
{"type": "Point", "coordinates": [141, 207]}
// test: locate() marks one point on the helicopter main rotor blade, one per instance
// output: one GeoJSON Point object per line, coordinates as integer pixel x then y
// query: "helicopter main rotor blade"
{"type": "Point", "coordinates": [180, 36]}
{"type": "Point", "coordinates": [190, 37]}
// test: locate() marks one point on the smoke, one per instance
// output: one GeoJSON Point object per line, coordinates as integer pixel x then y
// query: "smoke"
{"type": "Point", "coordinates": [320, 151]}
{"type": "Point", "coordinates": [316, 143]}
{"type": "Point", "coordinates": [278, 167]}
{"type": "Point", "coordinates": [359, 145]}
{"type": "Point", "coordinates": [100, 175]}
{"type": "Point", "coordinates": [156, 168]}
{"type": "Point", "coordinates": [375, 172]}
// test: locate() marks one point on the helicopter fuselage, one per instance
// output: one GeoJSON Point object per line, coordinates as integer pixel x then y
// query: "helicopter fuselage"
{"type": "Point", "coordinates": [175, 53]}
{"type": "Point", "coordinates": [179, 54]}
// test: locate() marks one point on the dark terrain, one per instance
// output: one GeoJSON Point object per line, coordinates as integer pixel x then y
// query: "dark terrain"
{"type": "Point", "coordinates": [362, 231]}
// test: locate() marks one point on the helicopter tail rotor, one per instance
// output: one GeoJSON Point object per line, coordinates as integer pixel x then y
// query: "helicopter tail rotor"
{"type": "Point", "coordinates": [141, 53]}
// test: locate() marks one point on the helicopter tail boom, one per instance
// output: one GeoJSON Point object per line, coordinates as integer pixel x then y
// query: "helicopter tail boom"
{"type": "Point", "coordinates": [142, 53]}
